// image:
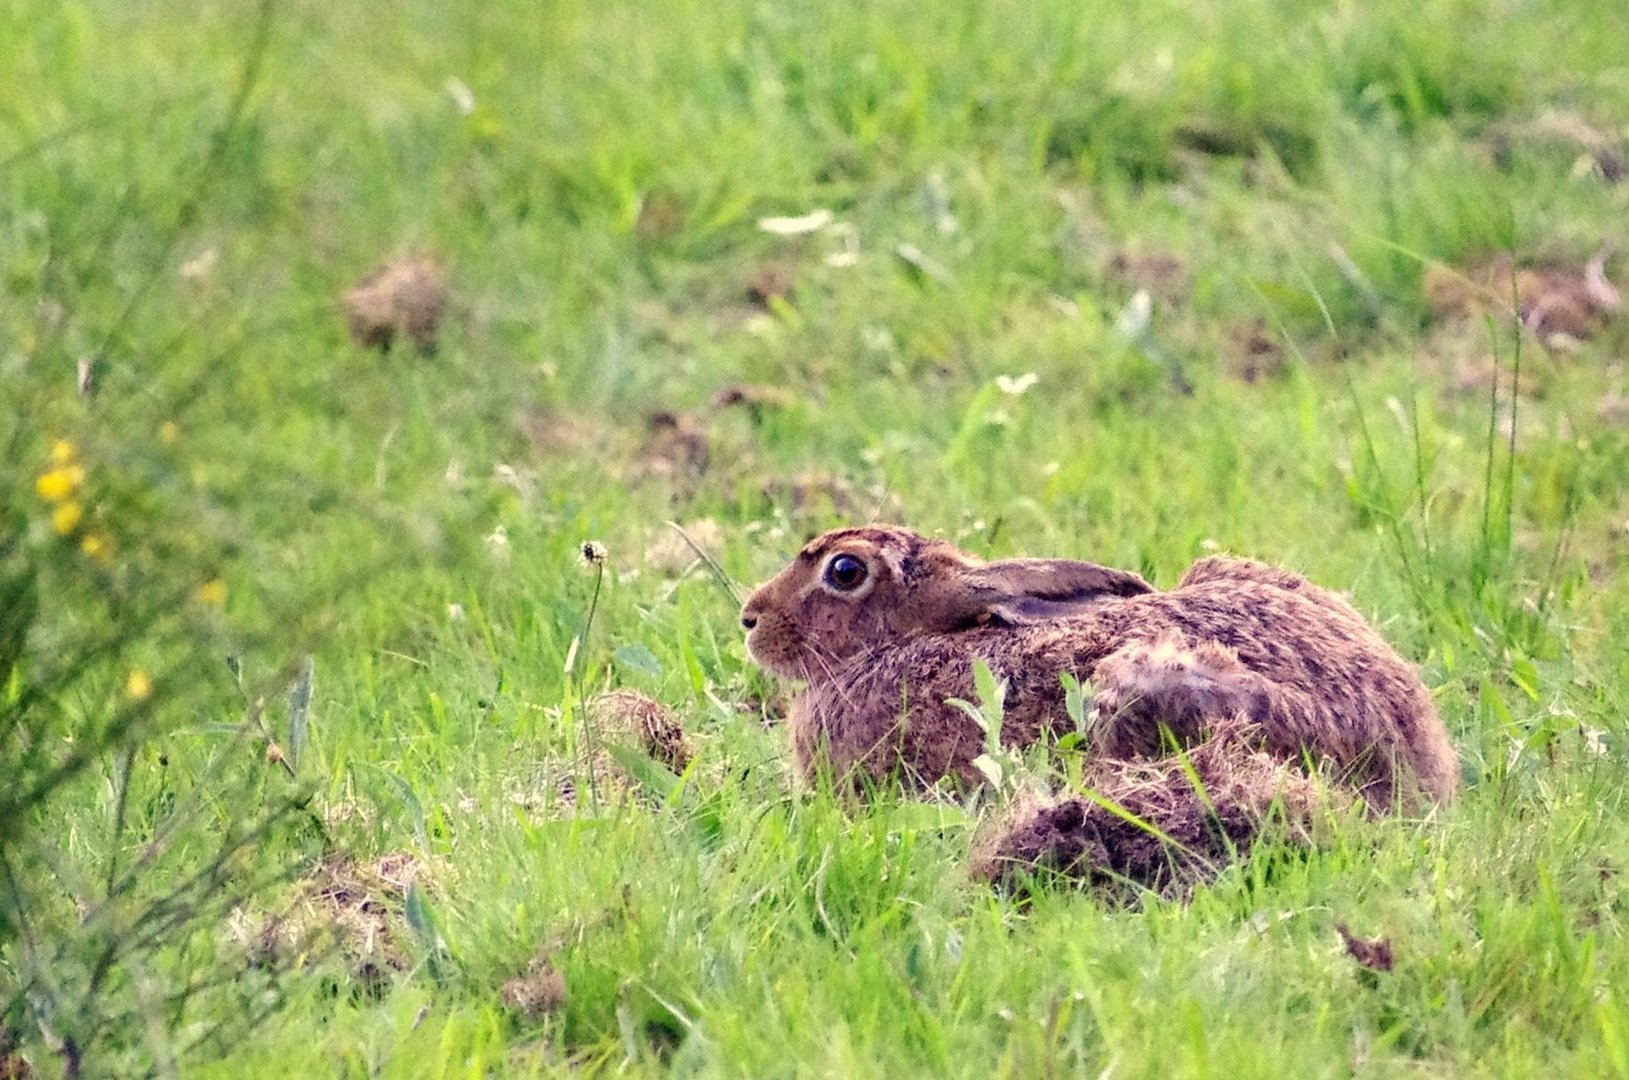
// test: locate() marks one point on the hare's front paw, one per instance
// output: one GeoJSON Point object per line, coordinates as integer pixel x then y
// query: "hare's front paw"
{"type": "Point", "coordinates": [1167, 684]}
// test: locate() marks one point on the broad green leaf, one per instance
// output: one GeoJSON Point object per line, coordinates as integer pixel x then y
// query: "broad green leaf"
{"type": "Point", "coordinates": [651, 774]}
{"type": "Point", "coordinates": [991, 769]}
{"type": "Point", "coordinates": [638, 657]}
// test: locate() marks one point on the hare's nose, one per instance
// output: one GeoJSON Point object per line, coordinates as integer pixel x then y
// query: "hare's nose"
{"type": "Point", "coordinates": [748, 620]}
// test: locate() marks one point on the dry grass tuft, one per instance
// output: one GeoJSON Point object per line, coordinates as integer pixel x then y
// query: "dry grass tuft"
{"type": "Point", "coordinates": [677, 448]}
{"type": "Point", "coordinates": [630, 717]}
{"type": "Point", "coordinates": [346, 906]}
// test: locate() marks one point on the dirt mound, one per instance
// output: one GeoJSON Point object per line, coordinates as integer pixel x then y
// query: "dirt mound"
{"type": "Point", "coordinates": [539, 992]}
{"type": "Point", "coordinates": [1562, 305]}
{"type": "Point", "coordinates": [401, 299]}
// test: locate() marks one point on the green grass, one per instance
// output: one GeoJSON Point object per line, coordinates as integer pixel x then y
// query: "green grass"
{"type": "Point", "coordinates": [597, 209]}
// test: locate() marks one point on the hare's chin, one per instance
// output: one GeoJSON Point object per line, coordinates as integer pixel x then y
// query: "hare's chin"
{"type": "Point", "coordinates": [775, 661]}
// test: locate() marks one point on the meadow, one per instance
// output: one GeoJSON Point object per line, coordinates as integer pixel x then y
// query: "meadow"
{"type": "Point", "coordinates": [301, 766]}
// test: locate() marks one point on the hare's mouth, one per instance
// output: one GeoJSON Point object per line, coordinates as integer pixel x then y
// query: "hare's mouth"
{"type": "Point", "coordinates": [776, 655]}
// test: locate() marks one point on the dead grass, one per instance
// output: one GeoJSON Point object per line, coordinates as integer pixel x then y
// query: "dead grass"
{"type": "Point", "coordinates": [631, 717]}
{"type": "Point", "coordinates": [346, 907]}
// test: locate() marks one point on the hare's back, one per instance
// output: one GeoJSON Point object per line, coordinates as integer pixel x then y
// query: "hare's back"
{"type": "Point", "coordinates": [1278, 623]}
{"type": "Point", "coordinates": [1221, 571]}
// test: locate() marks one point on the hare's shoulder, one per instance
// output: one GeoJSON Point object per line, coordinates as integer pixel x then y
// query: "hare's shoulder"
{"type": "Point", "coordinates": [1236, 568]}
{"type": "Point", "coordinates": [1273, 593]}
{"type": "Point", "coordinates": [1248, 580]}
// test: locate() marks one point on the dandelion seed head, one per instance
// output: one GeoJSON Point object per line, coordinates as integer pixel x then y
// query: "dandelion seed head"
{"type": "Point", "coordinates": [593, 553]}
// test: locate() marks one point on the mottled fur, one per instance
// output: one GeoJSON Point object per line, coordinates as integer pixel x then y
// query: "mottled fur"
{"type": "Point", "coordinates": [1234, 638]}
{"type": "Point", "coordinates": [1175, 821]}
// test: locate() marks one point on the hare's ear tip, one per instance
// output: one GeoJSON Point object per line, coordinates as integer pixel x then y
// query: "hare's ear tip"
{"type": "Point", "coordinates": [1134, 585]}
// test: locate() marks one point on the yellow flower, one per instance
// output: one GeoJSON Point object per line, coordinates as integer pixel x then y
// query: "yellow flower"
{"type": "Point", "coordinates": [212, 592]}
{"type": "Point", "coordinates": [57, 484]}
{"type": "Point", "coordinates": [169, 433]}
{"type": "Point", "coordinates": [97, 547]}
{"type": "Point", "coordinates": [66, 517]}
{"type": "Point", "coordinates": [139, 686]}
{"type": "Point", "coordinates": [63, 453]}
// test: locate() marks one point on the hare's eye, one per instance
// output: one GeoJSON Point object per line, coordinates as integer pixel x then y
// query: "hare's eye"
{"type": "Point", "coordinates": [845, 572]}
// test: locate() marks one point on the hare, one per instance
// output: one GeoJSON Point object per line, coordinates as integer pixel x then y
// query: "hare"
{"type": "Point", "coordinates": [883, 627]}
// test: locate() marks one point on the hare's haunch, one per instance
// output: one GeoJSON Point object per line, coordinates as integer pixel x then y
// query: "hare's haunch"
{"type": "Point", "coordinates": [883, 625]}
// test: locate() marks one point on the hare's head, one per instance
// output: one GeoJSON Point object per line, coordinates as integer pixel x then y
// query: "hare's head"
{"type": "Point", "coordinates": [852, 590]}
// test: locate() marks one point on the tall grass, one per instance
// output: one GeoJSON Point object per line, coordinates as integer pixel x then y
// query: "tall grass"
{"type": "Point", "coordinates": [1062, 237]}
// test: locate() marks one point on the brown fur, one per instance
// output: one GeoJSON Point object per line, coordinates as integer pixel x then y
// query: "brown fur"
{"type": "Point", "coordinates": [1183, 831]}
{"type": "Point", "coordinates": [1235, 637]}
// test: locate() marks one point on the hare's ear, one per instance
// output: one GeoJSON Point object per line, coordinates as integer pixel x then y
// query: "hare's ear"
{"type": "Point", "coordinates": [1018, 592]}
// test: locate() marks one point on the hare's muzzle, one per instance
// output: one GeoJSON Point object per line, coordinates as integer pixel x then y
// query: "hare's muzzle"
{"type": "Point", "coordinates": [762, 638]}
{"type": "Point", "coordinates": [751, 609]}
